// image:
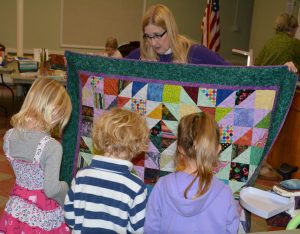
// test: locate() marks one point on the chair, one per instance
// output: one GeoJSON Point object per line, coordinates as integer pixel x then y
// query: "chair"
{"type": "Point", "coordinates": [4, 70]}
{"type": "Point", "coordinates": [125, 49]}
{"type": "Point", "coordinates": [249, 55]}
{"type": "Point", "coordinates": [286, 171]}
{"type": "Point", "coordinates": [57, 62]}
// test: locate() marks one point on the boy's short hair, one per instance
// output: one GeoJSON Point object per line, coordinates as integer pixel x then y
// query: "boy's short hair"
{"type": "Point", "coordinates": [120, 133]}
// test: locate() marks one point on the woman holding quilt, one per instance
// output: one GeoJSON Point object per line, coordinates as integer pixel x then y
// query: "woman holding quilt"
{"type": "Point", "coordinates": [161, 41]}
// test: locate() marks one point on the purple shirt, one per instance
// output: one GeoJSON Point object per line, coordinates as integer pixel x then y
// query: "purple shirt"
{"type": "Point", "coordinates": [197, 54]}
{"type": "Point", "coordinates": [168, 211]}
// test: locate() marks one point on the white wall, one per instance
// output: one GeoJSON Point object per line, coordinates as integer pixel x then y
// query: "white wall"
{"type": "Point", "coordinates": [42, 24]}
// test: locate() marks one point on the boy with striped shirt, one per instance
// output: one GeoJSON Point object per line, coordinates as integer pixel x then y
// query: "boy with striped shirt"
{"type": "Point", "coordinates": [106, 197]}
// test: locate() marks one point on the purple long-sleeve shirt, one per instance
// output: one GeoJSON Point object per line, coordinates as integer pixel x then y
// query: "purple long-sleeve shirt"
{"type": "Point", "coordinates": [168, 211]}
{"type": "Point", "coordinates": [197, 54]}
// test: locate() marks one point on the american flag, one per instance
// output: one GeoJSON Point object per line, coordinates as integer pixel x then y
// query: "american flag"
{"type": "Point", "coordinates": [211, 26]}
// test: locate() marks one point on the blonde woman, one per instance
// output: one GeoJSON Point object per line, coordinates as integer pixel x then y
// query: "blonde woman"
{"type": "Point", "coordinates": [161, 41]}
{"type": "Point", "coordinates": [192, 200]}
{"type": "Point", "coordinates": [35, 201]}
{"type": "Point", "coordinates": [106, 197]}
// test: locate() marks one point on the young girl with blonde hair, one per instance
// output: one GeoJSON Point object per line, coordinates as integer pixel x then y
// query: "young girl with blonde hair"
{"type": "Point", "coordinates": [35, 201]}
{"type": "Point", "coordinates": [192, 200]}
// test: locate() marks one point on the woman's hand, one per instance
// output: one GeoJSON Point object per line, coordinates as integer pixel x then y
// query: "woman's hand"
{"type": "Point", "coordinates": [291, 66]}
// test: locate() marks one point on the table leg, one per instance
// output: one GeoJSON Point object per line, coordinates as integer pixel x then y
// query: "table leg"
{"type": "Point", "coordinates": [10, 89]}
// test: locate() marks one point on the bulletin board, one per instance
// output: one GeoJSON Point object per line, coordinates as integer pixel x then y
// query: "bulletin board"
{"type": "Point", "coordinates": [88, 23]}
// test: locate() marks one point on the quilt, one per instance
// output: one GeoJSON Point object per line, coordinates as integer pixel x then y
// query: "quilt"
{"type": "Point", "coordinates": [249, 104]}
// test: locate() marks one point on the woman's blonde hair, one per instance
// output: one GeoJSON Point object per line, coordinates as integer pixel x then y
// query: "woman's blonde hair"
{"type": "Point", "coordinates": [198, 142]}
{"type": "Point", "coordinates": [161, 16]}
{"type": "Point", "coordinates": [120, 133]}
{"type": "Point", "coordinates": [47, 105]}
{"type": "Point", "coordinates": [286, 23]}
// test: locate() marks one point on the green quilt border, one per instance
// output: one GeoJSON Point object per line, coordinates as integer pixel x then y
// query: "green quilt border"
{"type": "Point", "coordinates": [222, 75]}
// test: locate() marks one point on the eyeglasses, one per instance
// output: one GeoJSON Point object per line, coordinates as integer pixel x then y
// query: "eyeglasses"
{"type": "Point", "coordinates": [155, 36]}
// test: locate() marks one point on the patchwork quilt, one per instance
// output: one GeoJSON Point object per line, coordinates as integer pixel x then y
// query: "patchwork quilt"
{"type": "Point", "coordinates": [249, 104]}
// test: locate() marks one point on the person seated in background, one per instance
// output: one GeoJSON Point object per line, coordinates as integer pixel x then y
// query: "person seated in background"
{"type": "Point", "coordinates": [161, 41]}
{"type": "Point", "coordinates": [282, 48]}
{"type": "Point", "coordinates": [111, 48]}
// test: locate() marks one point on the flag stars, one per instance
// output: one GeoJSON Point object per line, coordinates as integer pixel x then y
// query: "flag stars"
{"type": "Point", "coordinates": [215, 6]}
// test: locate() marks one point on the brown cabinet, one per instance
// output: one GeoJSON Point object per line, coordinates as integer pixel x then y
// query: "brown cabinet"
{"type": "Point", "coordinates": [286, 148]}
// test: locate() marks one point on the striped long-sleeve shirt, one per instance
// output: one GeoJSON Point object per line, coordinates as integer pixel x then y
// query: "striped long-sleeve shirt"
{"type": "Point", "coordinates": [106, 198]}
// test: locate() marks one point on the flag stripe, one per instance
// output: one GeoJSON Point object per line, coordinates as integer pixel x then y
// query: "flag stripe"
{"type": "Point", "coordinates": [211, 25]}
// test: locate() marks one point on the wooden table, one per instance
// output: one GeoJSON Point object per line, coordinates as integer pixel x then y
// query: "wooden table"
{"type": "Point", "coordinates": [19, 78]}
{"type": "Point", "coordinates": [24, 80]}
{"type": "Point", "coordinates": [286, 148]}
